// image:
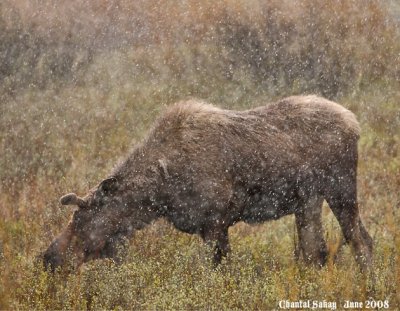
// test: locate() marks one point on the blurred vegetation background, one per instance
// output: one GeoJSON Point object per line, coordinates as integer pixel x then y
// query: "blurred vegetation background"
{"type": "Point", "coordinates": [81, 81]}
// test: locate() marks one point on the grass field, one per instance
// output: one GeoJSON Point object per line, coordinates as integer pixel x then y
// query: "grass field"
{"type": "Point", "coordinates": [71, 107]}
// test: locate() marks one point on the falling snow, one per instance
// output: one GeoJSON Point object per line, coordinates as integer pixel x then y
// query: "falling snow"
{"type": "Point", "coordinates": [147, 109]}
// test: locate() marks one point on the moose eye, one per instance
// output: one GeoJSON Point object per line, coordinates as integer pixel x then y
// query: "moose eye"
{"type": "Point", "coordinates": [77, 219]}
{"type": "Point", "coordinates": [108, 185]}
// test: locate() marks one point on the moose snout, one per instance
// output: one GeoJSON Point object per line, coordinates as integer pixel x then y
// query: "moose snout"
{"type": "Point", "coordinates": [51, 260]}
{"type": "Point", "coordinates": [55, 254]}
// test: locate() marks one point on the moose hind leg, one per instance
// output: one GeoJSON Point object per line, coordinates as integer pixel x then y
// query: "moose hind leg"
{"type": "Point", "coordinates": [344, 206]}
{"type": "Point", "coordinates": [312, 247]}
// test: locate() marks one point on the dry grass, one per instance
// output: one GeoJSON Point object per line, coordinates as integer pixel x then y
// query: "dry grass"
{"type": "Point", "coordinates": [71, 107]}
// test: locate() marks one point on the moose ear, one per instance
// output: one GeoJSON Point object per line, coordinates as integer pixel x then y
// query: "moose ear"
{"type": "Point", "coordinates": [162, 163]}
{"type": "Point", "coordinates": [72, 199]}
{"type": "Point", "coordinates": [108, 185]}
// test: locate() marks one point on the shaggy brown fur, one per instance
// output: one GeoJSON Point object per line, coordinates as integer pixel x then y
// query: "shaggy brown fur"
{"type": "Point", "coordinates": [205, 169]}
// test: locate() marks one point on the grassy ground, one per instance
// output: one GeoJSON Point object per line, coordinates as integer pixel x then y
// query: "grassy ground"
{"type": "Point", "coordinates": [167, 269]}
{"type": "Point", "coordinates": [64, 125]}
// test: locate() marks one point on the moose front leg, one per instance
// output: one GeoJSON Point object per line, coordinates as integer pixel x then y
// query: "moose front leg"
{"type": "Point", "coordinates": [217, 238]}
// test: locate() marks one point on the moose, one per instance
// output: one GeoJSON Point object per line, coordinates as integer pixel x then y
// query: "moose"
{"type": "Point", "coordinates": [204, 169]}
